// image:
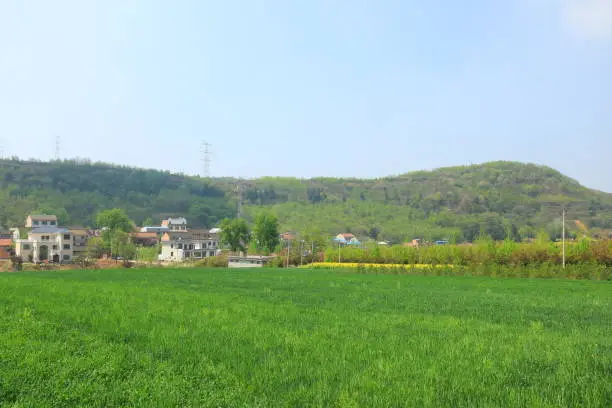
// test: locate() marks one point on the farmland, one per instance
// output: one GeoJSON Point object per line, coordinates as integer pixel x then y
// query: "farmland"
{"type": "Point", "coordinates": [279, 337]}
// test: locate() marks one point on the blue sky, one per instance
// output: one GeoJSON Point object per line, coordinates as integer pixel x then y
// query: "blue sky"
{"type": "Point", "coordinates": [310, 88]}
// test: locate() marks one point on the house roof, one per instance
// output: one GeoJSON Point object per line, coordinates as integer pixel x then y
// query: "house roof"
{"type": "Point", "coordinates": [347, 235]}
{"type": "Point", "coordinates": [144, 235]}
{"type": "Point", "coordinates": [175, 220]}
{"type": "Point", "coordinates": [4, 254]}
{"type": "Point", "coordinates": [43, 216]}
{"type": "Point", "coordinates": [193, 234]}
{"type": "Point", "coordinates": [48, 229]}
{"type": "Point", "coordinates": [6, 242]}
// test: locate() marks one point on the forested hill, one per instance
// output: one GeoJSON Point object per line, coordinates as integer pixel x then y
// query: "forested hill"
{"type": "Point", "coordinates": [76, 190]}
{"type": "Point", "coordinates": [455, 202]}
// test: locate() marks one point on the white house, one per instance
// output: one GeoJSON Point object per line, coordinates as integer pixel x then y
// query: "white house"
{"type": "Point", "coordinates": [48, 243]}
{"type": "Point", "coordinates": [175, 224]}
{"type": "Point", "coordinates": [34, 221]}
{"type": "Point", "coordinates": [182, 245]}
{"type": "Point", "coordinates": [248, 261]}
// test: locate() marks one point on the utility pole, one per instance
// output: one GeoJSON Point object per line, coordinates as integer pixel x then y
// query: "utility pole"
{"type": "Point", "coordinates": [302, 253]}
{"type": "Point", "coordinates": [563, 237]}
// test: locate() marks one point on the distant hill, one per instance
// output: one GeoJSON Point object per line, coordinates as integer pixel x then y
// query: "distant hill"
{"type": "Point", "coordinates": [76, 190]}
{"type": "Point", "coordinates": [456, 203]}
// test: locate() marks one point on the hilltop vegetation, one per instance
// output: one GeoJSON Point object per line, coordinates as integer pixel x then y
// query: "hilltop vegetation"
{"type": "Point", "coordinates": [497, 198]}
{"type": "Point", "coordinates": [75, 191]}
{"type": "Point", "coordinates": [457, 203]}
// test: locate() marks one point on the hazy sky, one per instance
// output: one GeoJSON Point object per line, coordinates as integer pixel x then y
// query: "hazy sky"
{"type": "Point", "coordinates": [308, 88]}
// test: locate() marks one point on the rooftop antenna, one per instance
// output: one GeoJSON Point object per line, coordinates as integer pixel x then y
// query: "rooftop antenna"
{"type": "Point", "coordinates": [206, 159]}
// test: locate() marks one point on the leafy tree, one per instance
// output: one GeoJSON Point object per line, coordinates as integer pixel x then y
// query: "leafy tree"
{"type": "Point", "coordinates": [266, 231]}
{"type": "Point", "coordinates": [95, 248]}
{"type": "Point", "coordinates": [147, 254]}
{"type": "Point", "coordinates": [115, 220]}
{"type": "Point", "coordinates": [235, 233]}
{"type": "Point", "coordinates": [126, 249]}
{"type": "Point", "coordinates": [147, 222]}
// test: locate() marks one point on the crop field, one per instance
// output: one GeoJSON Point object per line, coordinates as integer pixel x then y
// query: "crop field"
{"type": "Point", "coordinates": [301, 338]}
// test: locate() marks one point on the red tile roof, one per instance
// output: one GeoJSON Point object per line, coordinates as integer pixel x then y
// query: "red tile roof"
{"type": "Point", "coordinates": [4, 254]}
{"type": "Point", "coordinates": [6, 242]}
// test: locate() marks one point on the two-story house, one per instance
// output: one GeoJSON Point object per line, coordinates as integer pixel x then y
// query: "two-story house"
{"type": "Point", "coordinates": [35, 221]}
{"type": "Point", "coordinates": [80, 237]}
{"type": "Point", "coordinates": [47, 243]}
{"type": "Point", "coordinates": [175, 224]}
{"type": "Point", "coordinates": [195, 244]}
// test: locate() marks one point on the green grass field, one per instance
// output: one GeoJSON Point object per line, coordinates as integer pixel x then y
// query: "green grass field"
{"type": "Point", "coordinates": [274, 338]}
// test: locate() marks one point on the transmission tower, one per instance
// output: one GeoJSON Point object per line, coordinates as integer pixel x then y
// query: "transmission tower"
{"type": "Point", "coordinates": [57, 147]}
{"type": "Point", "coordinates": [206, 159]}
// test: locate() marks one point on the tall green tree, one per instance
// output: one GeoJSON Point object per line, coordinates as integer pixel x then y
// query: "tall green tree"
{"type": "Point", "coordinates": [235, 233]}
{"type": "Point", "coordinates": [95, 248]}
{"type": "Point", "coordinates": [266, 232]}
{"type": "Point", "coordinates": [115, 220]}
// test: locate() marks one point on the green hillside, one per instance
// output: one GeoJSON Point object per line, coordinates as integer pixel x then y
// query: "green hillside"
{"type": "Point", "coordinates": [76, 190]}
{"type": "Point", "coordinates": [458, 203]}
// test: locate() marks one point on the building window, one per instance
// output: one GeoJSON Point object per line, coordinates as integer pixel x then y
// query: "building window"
{"type": "Point", "coordinates": [54, 246]}
{"type": "Point", "coordinates": [52, 222]}
{"type": "Point", "coordinates": [66, 236]}
{"type": "Point", "coordinates": [211, 253]}
{"type": "Point", "coordinates": [66, 257]}
{"type": "Point", "coordinates": [26, 246]}
{"type": "Point", "coordinates": [66, 246]}
{"type": "Point", "coordinates": [44, 238]}
{"type": "Point", "coordinates": [44, 223]}
{"type": "Point", "coordinates": [171, 246]}
{"type": "Point", "coordinates": [180, 246]}
{"type": "Point", "coordinates": [35, 222]}
{"type": "Point", "coordinates": [171, 253]}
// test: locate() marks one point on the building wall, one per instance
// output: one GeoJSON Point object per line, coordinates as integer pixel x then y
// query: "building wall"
{"type": "Point", "coordinates": [188, 249]}
{"type": "Point", "coordinates": [57, 244]}
{"type": "Point", "coordinates": [33, 222]}
{"type": "Point", "coordinates": [79, 243]}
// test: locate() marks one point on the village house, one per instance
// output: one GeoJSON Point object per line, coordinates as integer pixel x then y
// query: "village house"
{"type": "Point", "coordinates": [182, 245]}
{"type": "Point", "coordinates": [6, 246]}
{"type": "Point", "coordinates": [248, 261]}
{"type": "Point", "coordinates": [347, 239]}
{"type": "Point", "coordinates": [34, 221]}
{"type": "Point", "coordinates": [175, 224]}
{"type": "Point", "coordinates": [80, 236]}
{"type": "Point", "coordinates": [145, 239]}
{"type": "Point", "coordinates": [46, 243]}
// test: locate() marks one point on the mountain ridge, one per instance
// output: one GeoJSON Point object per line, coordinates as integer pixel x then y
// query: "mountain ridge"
{"type": "Point", "coordinates": [498, 198]}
